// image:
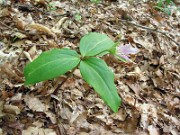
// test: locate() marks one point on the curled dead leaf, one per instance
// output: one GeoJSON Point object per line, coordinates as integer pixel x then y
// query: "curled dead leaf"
{"type": "Point", "coordinates": [20, 24]}
{"type": "Point", "coordinates": [41, 28]}
{"type": "Point", "coordinates": [57, 26]}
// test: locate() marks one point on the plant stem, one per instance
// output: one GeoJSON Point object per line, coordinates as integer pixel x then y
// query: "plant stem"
{"type": "Point", "coordinates": [69, 75]}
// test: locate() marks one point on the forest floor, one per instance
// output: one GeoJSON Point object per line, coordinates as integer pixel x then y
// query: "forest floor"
{"type": "Point", "coordinates": [149, 87]}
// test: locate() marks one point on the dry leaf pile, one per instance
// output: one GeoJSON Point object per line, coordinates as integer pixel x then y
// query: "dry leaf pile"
{"type": "Point", "coordinates": [149, 88]}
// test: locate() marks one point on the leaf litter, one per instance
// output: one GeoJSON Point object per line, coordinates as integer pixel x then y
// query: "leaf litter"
{"type": "Point", "coordinates": [149, 87]}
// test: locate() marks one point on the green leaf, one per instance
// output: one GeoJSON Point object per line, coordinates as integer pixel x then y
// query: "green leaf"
{"type": "Point", "coordinates": [95, 43]}
{"type": "Point", "coordinates": [95, 72]}
{"type": "Point", "coordinates": [102, 53]}
{"type": "Point", "coordinates": [168, 1]}
{"type": "Point", "coordinates": [51, 64]}
{"type": "Point", "coordinates": [167, 11]}
{"type": "Point", "coordinates": [160, 3]}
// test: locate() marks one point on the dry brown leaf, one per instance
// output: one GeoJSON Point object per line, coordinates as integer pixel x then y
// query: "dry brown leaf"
{"type": "Point", "coordinates": [20, 24]}
{"type": "Point", "coordinates": [19, 43]}
{"type": "Point", "coordinates": [33, 52]}
{"type": "Point", "coordinates": [78, 109]}
{"type": "Point", "coordinates": [8, 69]}
{"type": "Point", "coordinates": [7, 57]}
{"type": "Point", "coordinates": [65, 113]}
{"type": "Point", "coordinates": [1, 108]}
{"type": "Point", "coordinates": [38, 124]}
{"type": "Point", "coordinates": [41, 28]}
{"type": "Point", "coordinates": [5, 12]}
{"type": "Point", "coordinates": [41, 2]}
{"type": "Point", "coordinates": [83, 133]}
{"type": "Point", "coordinates": [76, 94]}
{"type": "Point", "coordinates": [38, 131]}
{"type": "Point", "coordinates": [82, 118]}
{"type": "Point", "coordinates": [141, 74]}
{"type": "Point", "coordinates": [135, 87]}
{"type": "Point", "coordinates": [120, 115]}
{"type": "Point", "coordinates": [17, 97]}
{"type": "Point", "coordinates": [11, 109]}
{"type": "Point", "coordinates": [27, 56]}
{"type": "Point", "coordinates": [77, 73]}
{"type": "Point", "coordinates": [57, 26]}
{"type": "Point", "coordinates": [144, 42]}
{"type": "Point", "coordinates": [35, 104]}
{"type": "Point", "coordinates": [152, 130]}
{"type": "Point", "coordinates": [76, 112]}
{"type": "Point", "coordinates": [52, 117]}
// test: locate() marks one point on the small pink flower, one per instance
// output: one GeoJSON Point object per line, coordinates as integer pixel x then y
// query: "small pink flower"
{"type": "Point", "coordinates": [124, 51]}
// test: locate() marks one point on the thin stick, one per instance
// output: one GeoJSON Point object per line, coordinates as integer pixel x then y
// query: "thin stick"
{"type": "Point", "coordinates": [9, 27]}
{"type": "Point", "coordinates": [59, 86]}
{"type": "Point", "coordinates": [5, 25]}
{"type": "Point", "coordinates": [152, 29]}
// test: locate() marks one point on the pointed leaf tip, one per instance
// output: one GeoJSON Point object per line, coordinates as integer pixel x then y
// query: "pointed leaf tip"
{"type": "Point", "coordinates": [95, 72]}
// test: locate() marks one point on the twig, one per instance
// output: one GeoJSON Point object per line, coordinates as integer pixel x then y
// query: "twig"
{"type": "Point", "coordinates": [151, 29]}
{"type": "Point", "coordinates": [5, 25]}
{"type": "Point", "coordinates": [9, 27]}
{"type": "Point", "coordinates": [59, 86]}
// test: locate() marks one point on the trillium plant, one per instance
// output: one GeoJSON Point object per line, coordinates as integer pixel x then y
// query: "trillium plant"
{"type": "Point", "coordinates": [93, 70]}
